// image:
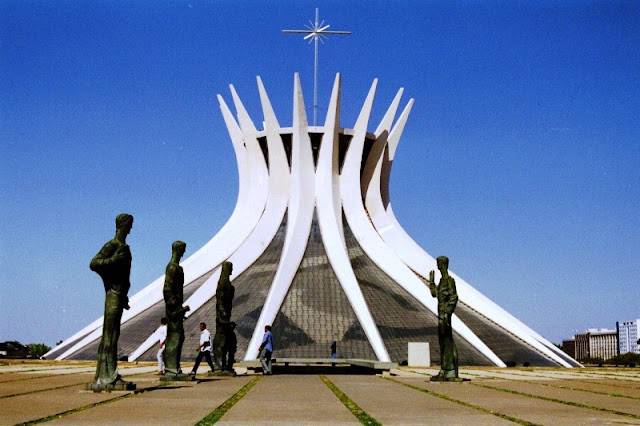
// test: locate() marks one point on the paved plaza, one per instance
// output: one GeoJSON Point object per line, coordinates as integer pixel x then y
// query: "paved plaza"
{"type": "Point", "coordinates": [53, 392]}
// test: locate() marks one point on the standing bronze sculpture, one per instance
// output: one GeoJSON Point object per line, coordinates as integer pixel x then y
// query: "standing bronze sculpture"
{"type": "Point", "coordinates": [173, 300]}
{"type": "Point", "coordinates": [113, 264]}
{"type": "Point", "coordinates": [447, 296]}
{"type": "Point", "coordinates": [230, 348]}
{"type": "Point", "coordinates": [224, 304]}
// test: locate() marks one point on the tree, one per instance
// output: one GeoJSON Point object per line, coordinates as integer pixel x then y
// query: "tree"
{"type": "Point", "coordinates": [36, 350]}
{"type": "Point", "coordinates": [629, 359]}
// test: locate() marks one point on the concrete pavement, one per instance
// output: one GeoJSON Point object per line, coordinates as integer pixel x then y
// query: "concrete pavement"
{"type": "Point", "coordinates": [54, 393]}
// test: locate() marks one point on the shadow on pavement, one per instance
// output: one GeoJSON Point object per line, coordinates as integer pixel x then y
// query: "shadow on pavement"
{"type": "Point", "coordinates": [321, 369]}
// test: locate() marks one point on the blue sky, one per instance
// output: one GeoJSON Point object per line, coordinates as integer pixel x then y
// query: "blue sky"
{"type": "Point", "coordinates": [520, 160]}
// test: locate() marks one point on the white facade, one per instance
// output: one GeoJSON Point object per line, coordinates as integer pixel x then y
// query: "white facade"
{"type": "Point", "coordinates": [295, 182]}
{"type": "Point", "coordinates": [596, 343]}
{"type": "Point", "coordinates": [628, 336]}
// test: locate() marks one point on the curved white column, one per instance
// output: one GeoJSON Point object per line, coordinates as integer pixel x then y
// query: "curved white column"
{"type": "Point", "coordinates": [151, 341]}
{"type": "Point", "coordinates": [379, 145]}
{"type": "Point", "coordinates": [248, 209]}
{"type": "Point", "coordinates": [329, 209]}
{"type": "Point", "coordinates": [371, 242]}
{"type": "Point", "coordinates": [278, 189]}
{"type": "Point", "coordinates": [299, 215]}
{"type": "Point", "coordinates": [418, 259]}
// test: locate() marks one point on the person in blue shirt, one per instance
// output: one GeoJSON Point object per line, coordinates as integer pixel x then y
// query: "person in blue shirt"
{"type": "Point", "coordinates": [266, 349]}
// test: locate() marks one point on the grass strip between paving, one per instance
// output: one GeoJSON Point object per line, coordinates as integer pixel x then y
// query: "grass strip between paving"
{"type": "Point", "coordinates": [588, 382]}
{"type": "Point", "coordinates": [543, 383]}
{"type": "Point", "coordinates": [464, 403]}
{"type": "Point", "coordinates": [553, 385]}
{"type": "Point", "coordinates": [621, 383]}
{"type": "Point", "coordinates": [559, 401]}
{"type": "Point", "coordinates": [46, 376]}
{"type": "Point", "coordinates": [613, 394]}
{"type": "Point", "coordinates": [89, 406]}
{"type": "Point", "coordinates": [355, 409]}
{"type": "Point", "coordinates": [585, 374]}
{"type": "Point", "coordinates": [221, 409]}
{"type": "Point", "coordinates": [41, 369]}
{"type": "Point", "coordinates": [41, 390]}
{"type": "Point", "coordinates": [56, 387]}
{"type": "Point", "coordinates": [23, 378]}
{"type": "Point", "coordinates": [612, 374]}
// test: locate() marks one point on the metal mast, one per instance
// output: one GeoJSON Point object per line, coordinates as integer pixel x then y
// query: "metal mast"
{"type": "Point", "coordinates": [316, 31]}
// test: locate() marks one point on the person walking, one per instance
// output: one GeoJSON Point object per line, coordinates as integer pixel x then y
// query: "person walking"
{"type": "Point", "coordinates": [161, 335]}
{"type": "Point", "coordinates": [266, 349]}
{"type": "Point", "coordinates": [204, 350]}
{"type": "Point", "coordinates": [334, 350]}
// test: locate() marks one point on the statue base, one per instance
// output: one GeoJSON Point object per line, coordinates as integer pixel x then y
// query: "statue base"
{"type": "Point", "coordinates": [221, 373]}
{"type": "Point", "coordinates": [447, 376]}
{"type": "Point", "coordinates": [120, 385]}
{"type": "Point", "coordinates": [440, 378]}
{"type": "Point", "coordinates": [179, 377]}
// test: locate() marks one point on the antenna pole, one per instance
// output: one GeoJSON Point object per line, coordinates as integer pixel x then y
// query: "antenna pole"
{"type": "Point", "coordinates": [315, 71]}
{"type": "Point", "coordinates": [314, 33]}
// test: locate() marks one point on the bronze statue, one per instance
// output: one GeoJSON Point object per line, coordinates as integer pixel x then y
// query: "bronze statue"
{"type": "Point", "coordinates": [447, 296]}
{"type": "Point", "coordinates": [230, 348]}
{"type": "Point", "coordinates": [173, 299]}
{"type": "Point", "coordinates": [113, 264]}
{"type": "Point", "coordinates": [224, 304]}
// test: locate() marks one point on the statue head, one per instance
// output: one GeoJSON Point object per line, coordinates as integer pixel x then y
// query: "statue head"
{"type": "Point", "coordinates": [178, 248]}
{"type": "Point", "coordinates": [227, 269]}
{"type": "Point", "coordinates": [443, 263]}
{"type": "Point", "coordinates": [124, 223]}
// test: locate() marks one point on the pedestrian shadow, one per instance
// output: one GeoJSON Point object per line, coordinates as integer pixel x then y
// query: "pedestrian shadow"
{"type": "Point", "coordinates": [166, 387]}
{"type": "Point", "coordinates": [209, 379]}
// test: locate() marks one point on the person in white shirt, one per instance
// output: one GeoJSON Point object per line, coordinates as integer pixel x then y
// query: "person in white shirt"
{"type": "Point", "coordinates": [204, 350]}
{"type": "Point", "coordinates": [161, 335]}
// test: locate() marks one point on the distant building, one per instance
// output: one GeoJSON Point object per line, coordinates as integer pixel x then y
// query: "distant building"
{"type": "Point", "coordinates": [628, 336]}
{"type": "Point", "coordinates": [569, 347]}
{"type": "Point", "coordinates": [13, 350]}
{"type": "Point", "coordinates": [596, 343]}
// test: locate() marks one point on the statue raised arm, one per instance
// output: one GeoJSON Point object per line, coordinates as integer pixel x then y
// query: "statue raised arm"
{"type": "Point", "coordinates": [447, 296]}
